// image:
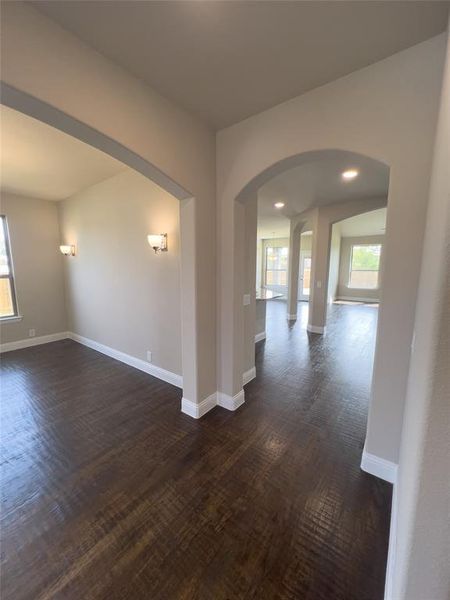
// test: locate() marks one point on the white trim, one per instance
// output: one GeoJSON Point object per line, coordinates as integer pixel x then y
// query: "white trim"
{"type": "Point", "coordinates": [34, 341]}
{"type": "Point", "coordinates": [197, 410]}
{"type": "Point", "coordinates": [11, 319]}
{"type": "Point", "coordinates": [380, 467]}
{"type": "Point", "coordinates": [248, 376]}
{"type": "Point", "coordinates": [316, 329]}
{"type": "Point", "coordinates": [358, 299]}
{"type": "Point", "coordinates": [392, 549]}
{"type": "Point", "coordinates": [137, 363]}
{"type": "Point", "coordinates": [259, 337]}
{"type": "Point", "coordinates": [291, 317]}
{"type": "Point", "coordinates": [230, 402]}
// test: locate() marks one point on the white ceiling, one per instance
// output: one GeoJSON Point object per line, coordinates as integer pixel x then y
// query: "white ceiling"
{"type": "Point", "coordinates": [228, 60]}
{"type": "Point", "coordinates": [39, 161]}
{"type": "Point", "coordinates": [318, 183]}
{"type": "Point", "coordinates": [371, 223]}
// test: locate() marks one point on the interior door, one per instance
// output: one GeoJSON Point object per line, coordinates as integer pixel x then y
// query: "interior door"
{"type": "Point", "coordinates": [304, 276]}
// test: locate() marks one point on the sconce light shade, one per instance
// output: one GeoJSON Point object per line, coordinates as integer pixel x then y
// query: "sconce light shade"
{"type": "Point", "coordinates": [67, 250]}
{"type": "Point", "coordinates": [158, 242]}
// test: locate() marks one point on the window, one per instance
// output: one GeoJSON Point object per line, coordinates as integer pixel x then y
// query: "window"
{"type": "Point", "coordinates": [364, 266]}
{"type": "Point", "coordinates": [8, 305]}
{"type": "Point", "coordinates": [276, 266]}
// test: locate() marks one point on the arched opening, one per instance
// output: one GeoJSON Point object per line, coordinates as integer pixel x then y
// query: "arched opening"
{"type": "Point", "coordinates": [314, 194]}
{"type": "Point", "coordinates": [45, 113]}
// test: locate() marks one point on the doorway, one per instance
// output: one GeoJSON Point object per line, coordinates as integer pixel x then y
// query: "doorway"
{"type": "Point", "coordinates": [304, 278]}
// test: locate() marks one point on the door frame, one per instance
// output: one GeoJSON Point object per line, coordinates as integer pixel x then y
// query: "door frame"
{"type": "Point", "coordinates": [301, 296]}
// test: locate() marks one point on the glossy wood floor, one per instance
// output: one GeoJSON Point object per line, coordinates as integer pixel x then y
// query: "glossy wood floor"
{"type": "Point", "coordinates": [110, 492]}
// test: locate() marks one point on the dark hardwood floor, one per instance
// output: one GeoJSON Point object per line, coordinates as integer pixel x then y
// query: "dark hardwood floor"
{"type": "Point", "coordinates": [110, 492]}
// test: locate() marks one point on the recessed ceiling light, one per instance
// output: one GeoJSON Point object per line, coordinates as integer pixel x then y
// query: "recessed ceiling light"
{"type": "Point", "coordinates": [279, 204]}
{"type": "Point", "coordinates": [350, 174]}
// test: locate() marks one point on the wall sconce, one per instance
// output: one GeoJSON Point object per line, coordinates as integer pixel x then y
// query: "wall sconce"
{"type": "Point", "coordinates": [67, 250]}
{"type": "Point", "coordinates": [158, 242]}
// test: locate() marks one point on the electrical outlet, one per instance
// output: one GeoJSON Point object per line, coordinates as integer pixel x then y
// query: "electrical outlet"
{"type": "Point", "coordinates": [31, 332]}
{"type": "Point", "coordinates": [246, 299]}
{"type": "Point", "coordinates": [149, 356]}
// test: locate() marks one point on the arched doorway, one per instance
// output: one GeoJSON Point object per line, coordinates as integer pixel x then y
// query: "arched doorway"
{"type": "Point", "coordinates": [33, 107]}
{"type": "Point", "coordinates": [317, 213]}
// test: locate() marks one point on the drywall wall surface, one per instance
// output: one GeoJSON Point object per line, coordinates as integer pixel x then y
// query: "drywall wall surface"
{"type": "Point", "coordinates": [119, 292]}
{"type": "Point", "coordinates": [38, 267]}
{"type": "Point", "coordinates": [305, 242]}
{"type": "Point", "coordinates": [419, 559]}
{"type": "Point", "coordinates": [333, 274]}
{"type": "Point", "coordinates": [251, 218]}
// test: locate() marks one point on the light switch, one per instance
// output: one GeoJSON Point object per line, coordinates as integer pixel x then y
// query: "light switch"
{"type": "Point", "coordinates": [319, 284]}
{"type": "Point", "coordinates": [246, 299]}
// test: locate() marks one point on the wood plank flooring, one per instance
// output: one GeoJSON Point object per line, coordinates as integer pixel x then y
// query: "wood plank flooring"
{"type": "Point", "coordinates": [109, 492]}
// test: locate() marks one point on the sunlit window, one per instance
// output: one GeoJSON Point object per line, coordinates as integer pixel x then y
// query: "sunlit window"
{"type": "Point", "coordinates": [364, 266]}
{"type": "Point", "coordinates": [8, 305]}
{"type": "Point", "coordinates": [276, 265]}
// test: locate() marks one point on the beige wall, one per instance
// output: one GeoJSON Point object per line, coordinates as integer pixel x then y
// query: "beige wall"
{"type": "Point", "coordinates": [335, 255]}
{"type": "Point", "coordinates": [119, 292]}
{"type": "Point", "coordinates": [386, 111]}
{"type": "Point", "coordinates": [343, 290]}
{"type": "Point", "coordinates": [53, 66]}
{"type": "Point", "coordinates": [419, 547]}
{"type": "Point", "coordinates": [251, 219]}
{"type": "Point", "coordinates": [38, 267]}
{"type": "Point", "coordinates": [305, 242]}
{"type": "Point", "coordinates": [259, 272]}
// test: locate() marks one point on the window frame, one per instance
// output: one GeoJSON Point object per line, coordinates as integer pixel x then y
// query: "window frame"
{"type": "Point", "coordinates": [350, 270]}
{"type": "Point", "coordinates": [10, 276]}
{"type": "Point", "coordinates": [275, 270]}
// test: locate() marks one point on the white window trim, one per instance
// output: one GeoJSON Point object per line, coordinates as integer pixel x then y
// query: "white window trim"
{"type": "Point", "coordinates": [11, 319]}
{"type": "Point", "coordinates": [357, 287]}
{"type": "Point", "coordinates": [11, 277]}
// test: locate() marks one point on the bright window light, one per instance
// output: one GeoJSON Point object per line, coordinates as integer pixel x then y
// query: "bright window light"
{"type": "Point", "coordinates": [364, 266]}
{"type": "Point", "coordinates": [8, 305]}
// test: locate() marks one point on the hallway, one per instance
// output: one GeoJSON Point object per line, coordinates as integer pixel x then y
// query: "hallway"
{"type": "Point", "coordinates": [113, 493]}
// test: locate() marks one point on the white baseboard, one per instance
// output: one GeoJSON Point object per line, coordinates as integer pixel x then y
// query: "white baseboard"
{"type": "Point", "coordinates": [315, 329]}
{"type": "Point", "coordinates": [137, 363]}
{"type": "Point", "coordinates": [358, 299]}
{"type": "Point", "coordinates": [386, 470]}
{"type": "Point", "coordinates": [34, 341]}
{"type": "Point", "coordinates": [259, 337]}
{"type": "Point", "coordinates": [197, 410]}
{"type": "Point", "coordinates": [292, 317]}
{"type": "Point", "coordinates": [193, 409]}
{"type": "Point", "coordinates": [230, 402]}
{"type": "Point", "coordinates": [380, 467]}
{"type": "Point", "coordinates": [248, 376]}
{"type": "Point", "coordinates": [392, 550]}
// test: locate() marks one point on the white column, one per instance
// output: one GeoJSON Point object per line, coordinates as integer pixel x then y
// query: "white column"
{"type": "Point", "coordinates": [319, 273]}
{"type": "Point", "coordinates": [231, 226]}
